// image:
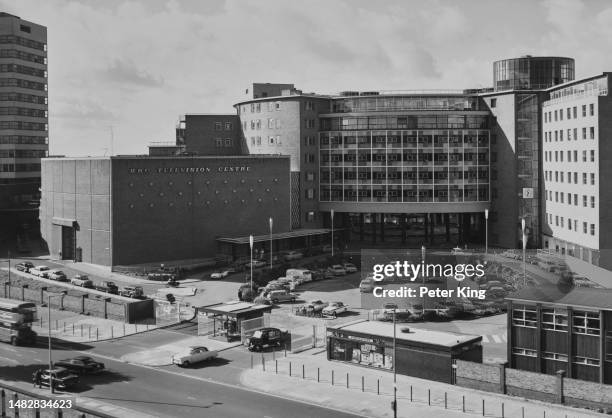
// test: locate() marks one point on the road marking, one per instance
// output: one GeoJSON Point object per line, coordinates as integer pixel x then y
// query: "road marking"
{"type": "Point", "coordinates": [496, 339]}
{"type": "Point", "coordinates": [485, 339]}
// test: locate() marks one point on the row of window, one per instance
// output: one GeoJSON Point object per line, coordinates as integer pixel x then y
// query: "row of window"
{"type": "Point", "coordinates": [256, 124]}
{"type": "Point", "coordinates": [24, 139]}
{"type": "Point", "coordinates": [481, 157]}
{"type": "Point", "coordinates": [21, 153]}
{"type": "Point", "coordinates": [22, 69]}
{"type": "Point", "coordinates": [219, 142]}
{"type": "Point", "coordinates": [25, 126]}
{"type": "Point", "coordinates": [25, 84]}
{"type": "Point", "coordinates": [570, 112]}
{"type": "Point", "coordinates": [23, 111]}
{"type": "Point", "coordinates": [256, 107]}
{"type": "Point", "coordinates": [559, 197]}
{"type": "Point", "coordinates": [548, 136]}
{"type": "Point", "coordinates": [560, 221]}
{"type": "Point", "coordinates": [11, 168]}
{"type": "Point", "coordinates": [272, 140]}
{"type": "Point", "coordinates": [22, 97]}
{"type": "Point", "coordinates": [219, 126]}
{"type": "Point", "coordinates": [548, 156]}
{"type": "Point", "coordinates": [407, 194]}
{"type": "Point", "coordinates": [405, 175]}
{"type": "Point", "coordinates": [556, 319]}
{"type": "Point", "coordinates": [560, 177]}
{"type": "Point", "coordinates": [24, 56]}
{"type": "Point", "coordinates": [555, 356]}
{"type": "Point", "coordinates": [409, 139]}
{"type": "Point", "coordinates": [18, 40]}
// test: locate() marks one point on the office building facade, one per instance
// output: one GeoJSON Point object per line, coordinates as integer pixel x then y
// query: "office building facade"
{"type": "Point", "coordinates": [24, 135]}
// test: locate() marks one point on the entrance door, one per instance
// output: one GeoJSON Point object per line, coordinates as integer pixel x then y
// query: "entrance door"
{"type": "Point", "coordinates": [68, 243]}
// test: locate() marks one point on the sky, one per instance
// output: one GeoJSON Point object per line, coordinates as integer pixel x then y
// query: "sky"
{"type": "Point", "coordinates": [129, 69]}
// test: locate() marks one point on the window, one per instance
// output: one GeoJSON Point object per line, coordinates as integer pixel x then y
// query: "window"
{"type": "Point", "coordinates": [258, 124]}
{"type": "Point", "coordinates": [575, 199]}
{"type": "Point", "coordinates": [556, 220]}
{"type": "Point", "coordinates": [554, 356]}
{"type": "Point", "coordinates": [310, 194]}
{"type": "Point", "coordinates": [309, 158]}
{"type": "Point", "coordinates": [554, 319]}
{"type": "Point", "coordinates": [252, 125]}
{"type": "Point", "coordinates": [556, 136]}
{"type": "Point", "coordinates": [258, 140]}
{"type": "Point", "coordinates": [575, 111]}
{"type": "Point", "coordinates": [562, 224]}
{"type": "Point", "coordinates": [592, 156]}
{"type": "Point", "coordinates": [524, 316]}
{"type": "Point", "coordinates": [556, 175]}
{"type": "Point", "coordinates": [258, 107]}
{"type": "Point", "coordinates": [524, 352]}
{"type": "Point", "coordinates": [592, 229]}
{"type": "Point", "coordinates": [592, 132]}
{"type": "Point", "coordinates": [253, 140]}
{"type": "Point", "coordinates": [555, 115]}
{"type": "Point", "coordinates": [592, 179]}
{"type": "Point", "coordinates": [228, 142]}
{"type": "Point", "coordinates": [583, 133]}
{"type": "Point", "coordinates": [584, 111]}
{"type": "Point", "coordinates": [575, 172]}
{"type": "Point", "coordinates": [585, 361]}
{"type": "Point", "coordinates": [309, 105]}
{"type": "Point", "coordinates": [584, 227]}
{"type": "Point", "coordinates": [569, 224]}
{"type": "Point", "coordinates": [310, 140]}
{"type": "Point", "coordinates": [569, 134]}
{"type": "Point", "coordinates": [278, 123]}
{"type": "Point", "coordinates": [228, 126]}
{"type": "Point", "coordinates": [218, 126]}
{"type": "Point", "coordinates": [556, 196]}
{"type": "Point", "coordinates": [575, 225]}
{"type": "Point", "coordinates": [310, 216]}
{"type": "Point", "coordinates": [569, 113]}
{"type": "Point", "coordinates": [310, 123]}
{"type": "Point", "coordinates": [569, 198]}
{"type": "Point", "coordinates": [25, 28]}
{"type": "Point", "coordinates": [270, 123]}
{"type": "Point", "coordinates": [575, 158]}
{"type": "Point", "coordinates": [271, 140]}
{"type": "Point", "coordinates": [562, 194]}
{"type": "Point", "coordinates": [584, 201]}
{"type": "Point", "coordinates": [575, 134]}
{"type": "Point", "coordinates": [584, 156]}
{"type": "Point", "coordinates": [278, 140]}
{"type": "Point", "coordinates": [560, 114]}
{"type": "Point", "coordinates": [584, 178]}
{"type": "Point", "coordinates": [494, 104]}
{"type": "Point", "coordinates": [310, 176]}
{"type": "Point", "coordinates": [592, 109]}
{"type": "Point", "coordinates": [277, 105]}
{"type": "Point", "coordinates": [569, 177]}
{"type": "Point", "coordinates": [585, 322]}
{"type": "Point", "coordinates": [218, 142]}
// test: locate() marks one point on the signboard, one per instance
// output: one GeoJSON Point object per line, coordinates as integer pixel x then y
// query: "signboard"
{"type": "Point", "coordinates": [527, 192]}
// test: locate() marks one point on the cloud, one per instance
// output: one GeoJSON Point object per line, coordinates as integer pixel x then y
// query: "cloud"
{"type": "Point", "coordinates": [126, 73]}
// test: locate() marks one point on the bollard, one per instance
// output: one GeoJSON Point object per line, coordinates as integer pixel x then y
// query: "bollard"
{"type": "Point", "coordinates": [483, 409]}
{"type": "Point", "coordinates": [347, 380]}
{"type": "Point", "coordinates": [41, 321]}
{"type": "Point", "coordinates": [446, 401]}
{"type": "Point", "coordinates": [276, 366]}
{"type": "Point", "coordinates": [303, 372]}
{"type": "Point", "coordinates": [251, 361]}
{"type": "Point", "coordinates": [463, 403]}
{"type": "Point", "coordinates": [378, 386]}
{"type": "Point", "coordinates": [502, 410]}
{"type": "Point", "coordinates": [73, 329]}
{"type": "Point", "coordinates": [332, 377]}
{"type": "Point", "coordinates": [410, 393]}
{"type": "Point", "coordinates": [89, 330]}
{"type": "Point", "coordinates": [81, 330]}
{"type": "Point", "coordinates": [318, 375]}
{"type": "Point", "coordinates": [289, 369]}
{"type": "Point", "coordinates": [362, 384]}
{"type": "Point", "coordinates": [2, 403]}
{"type": "Point", "coordinates": [429, 397]}
{"type": "Point", "coordinates": [263, 363]}
{"type": "Point", "coordinates": [97, 334]}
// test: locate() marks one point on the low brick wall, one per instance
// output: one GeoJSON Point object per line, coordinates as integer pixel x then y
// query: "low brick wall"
{"type": "Point", "coordinates": [587, 394]}
{"type": "Point", "coordinates": [543, 387]}
{"type": "Point", "coordinates": [479, 376]}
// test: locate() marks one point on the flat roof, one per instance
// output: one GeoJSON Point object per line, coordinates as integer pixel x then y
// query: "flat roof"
{"type": "Point", "coordinates": [171, 157]}
{"type": "Point", "coordinates": [280, 235]}
{"type": "Point", "coordinates": [234, 308]}
{"type": "Point", "coordinates": [581, 297]}
{"type": "Point", "coordinates": [417, 335]}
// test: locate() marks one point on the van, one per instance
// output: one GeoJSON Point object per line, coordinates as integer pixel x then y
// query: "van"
{"type": "Point", "coordinates": [276, 296]}
{"type": "Point", "coordinates": [82, 280]}
{"type": "Point", "coordinates": [305, 275]}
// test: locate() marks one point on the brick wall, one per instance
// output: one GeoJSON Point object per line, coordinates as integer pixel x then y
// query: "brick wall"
{"type": "Point", "coordinates": [531, 385]}
{"type": "Point", "coordinates": [587, 394]}
{"type": "Point", "coordinates": [479, 376]}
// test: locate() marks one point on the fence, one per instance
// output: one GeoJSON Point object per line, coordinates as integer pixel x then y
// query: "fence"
{"type": "Point", "coordinates": [279, 364]}
{"type": "Point", "coordinates": [544, 387]}
{"type": "Point", "coordinates": [82, 331]}
{"type": "Point", "coordinates": [11, 402]}
{"type": "Point", "coordinates": [248, 326]}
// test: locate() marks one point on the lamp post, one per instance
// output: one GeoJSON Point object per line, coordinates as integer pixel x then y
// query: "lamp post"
{"type": "Point", "coordinates": [251, 245]}
{"type": "Point", "coordinates": [49, 330]}
{"type": "Point", "coordinates": [486, 231]}
{"type": "Point", "coordinates": [524, 250]}
{"type": "Point", "coordinates": [9, 267]}
{"type": "Point", "coordinates": [332, 231]}
{"type": "Point", "coordinates": [394, 368]}
{"type": "Point", "coordinates": [271, 223]}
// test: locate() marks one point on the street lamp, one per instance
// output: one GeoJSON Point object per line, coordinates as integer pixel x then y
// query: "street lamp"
{"type": "Point", "coordinates": [332, 231]}
{"type": "Point", "coordinates": [394, 368]}
{"type": "Point", "coordinates": [486, 231]}
{"type": "Point", "coordinates": [271, 223]}
{"type": "Point", "coordinates": [251, 245]}
{"type": "Point", "coordinates": [524, 250]}
{"type": "Point", "coordinates": [9, 265]}
{"type": "Point", "coordinates": [50, 358]}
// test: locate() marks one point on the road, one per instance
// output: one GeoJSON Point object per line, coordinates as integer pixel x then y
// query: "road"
{"type": "Point", "coordinates": [165, 392]}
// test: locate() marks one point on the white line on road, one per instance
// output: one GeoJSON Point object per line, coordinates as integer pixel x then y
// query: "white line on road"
{"type": "Point", "coordinates": [496, 338]}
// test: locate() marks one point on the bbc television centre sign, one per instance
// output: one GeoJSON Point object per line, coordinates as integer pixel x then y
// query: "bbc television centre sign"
{"type": "Point", "coordinates": [190, 170]}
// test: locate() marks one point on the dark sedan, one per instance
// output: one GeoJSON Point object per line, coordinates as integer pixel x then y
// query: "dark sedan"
{"type": "Point", "coordinates": [81, 365]}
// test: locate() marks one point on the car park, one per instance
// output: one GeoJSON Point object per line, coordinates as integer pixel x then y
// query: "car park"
{"type": "Point", "coordinates": [293, 255]}
{"type": "Point", "coordinates": [276, 296]}
{"type": "Point", "coordinates": [62, 378]}
{"type": "Point", "coordinates": [82, 281]}
{"type": "Point", "coordinates": [266, 337]}
{"type": "Point", "coordinates": [24, 266]}
{"type": "Point", "coordinates": [81, 365]}
{"type": "Point", "coordinates": [108, 287]}
{"type": "Point", "coordinates": [57, 275]}
{"type": "Point", "coordinates": [194, 355]}
{"type": "Point", "coordinates": [220, 274]}
{"type": "Point", "coordinates": [40, 271]}
{"type": "Point", "coordinates": [338, 270]}
{"type": "Point", "coordinates": [135, 292]}
{"type": "Point", "coordinates": [350, 268]}
{"type": "Point", "coordinates": [334, 309]}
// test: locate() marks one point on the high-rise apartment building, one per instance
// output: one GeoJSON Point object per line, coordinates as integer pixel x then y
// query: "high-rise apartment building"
{"type": "Point", "coordinates": [24, 133]}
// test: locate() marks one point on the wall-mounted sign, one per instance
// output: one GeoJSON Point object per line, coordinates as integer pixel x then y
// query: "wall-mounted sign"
{"type": "Point", "coordinates": [527, 192]}
{"type": "Point", "coordinates": [189, 170]}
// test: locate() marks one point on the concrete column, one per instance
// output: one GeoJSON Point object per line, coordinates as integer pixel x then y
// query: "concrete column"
{"type": "Point", "coordinates": [106, 300]}
{"type": "Point", "coordinates": [23, 288]}
{"type": "Point", "coordinates": [559, 386]}
{"type": "Point", "coordinates": [502, 376]}
{"type": "Point", "coordinates": [85, 296]}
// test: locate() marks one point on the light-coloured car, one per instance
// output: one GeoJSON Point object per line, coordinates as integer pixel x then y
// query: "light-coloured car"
{"type": "Point", "coordinates": [220, 274]}
{"type": "Point", "coordinates": [316, 305]}
{"type": "Point", "coordinates": [338, 270]}
{"type": "Point", "coordinates": [334, 309]}
{"type": "Point", "coordinates": [57, 275]}
{"type": "Point", "coordinates": [305, 275]}
{"type": "Point", "coordinates": [40, 271]}
{"type": "Point", "coordinates": [293, 255]}
{"type": "Point", "coordinates": [256, 264]}
{"type": "Point", "coordinates": [350, 267]}
{"type": "Point", "coordinates": [277, 296]}
{"type": "Point", "coordinates": [193, 355]}
{"type": "Point", "coordinates": [82, 280]}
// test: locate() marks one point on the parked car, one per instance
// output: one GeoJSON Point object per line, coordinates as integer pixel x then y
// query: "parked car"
{"type": "Point", "coordinates": [401, 314]}
{"type": "Point", "coordinates": [303, 274]}
{"type": "Point", "coordinates": [316, 306]}
{"type": "Point", "coordinates": [220, 274]}
{"type": "Point", "coordinates": [338, 270]}
{"type": "Point", "coordinates": [366, 285]}
{"type": "Point", "coordinates": [350, 267]}
{"type": "Point", "coordinates": [24, 266]}
{"type": "Point", "coordinates": [334, 309]}
{"type": "Point", "coordinates": [108, 287]}
{"type": "Point", "coordinates": [161, 276]}
{"type": "Point", "coordinates": [293, 255]}
{"type": "Point", "coordinates": [62, 378]}
{"type": "Point", "coordinates": [81, 365]}
{"type": "Point", "coordinates": [256, 264]}
{"type": "Point", "coordinates": [135, 292]}
{"type": "Point", "coordinates": [276, 296]}
{"type": "Point", "coordinates": [57, 275]}
{"type": "Point", "coordinates": [325, 274]}
{"type": "Point", "coordinates": [194, 355]}
{"type": "Point", "coordinates": [40, 271]}
{"type": "Point", "coordinates": [82, 280]}
{"type": "Point", "coordinates": [264, 338]}
{"type": "Point", "coordinates": [276, 285]}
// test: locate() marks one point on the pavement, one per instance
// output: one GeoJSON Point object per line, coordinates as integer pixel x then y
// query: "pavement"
{"type": "Point", "coordinates": [374, 400]}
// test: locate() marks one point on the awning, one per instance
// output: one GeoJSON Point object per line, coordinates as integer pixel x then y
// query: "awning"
{"type": "Point", "coordinates": [63, 221]}
{"type": "Point", "coordinates": [234, 309]}
{"type": "Point", "coordinates": [281, 235]}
